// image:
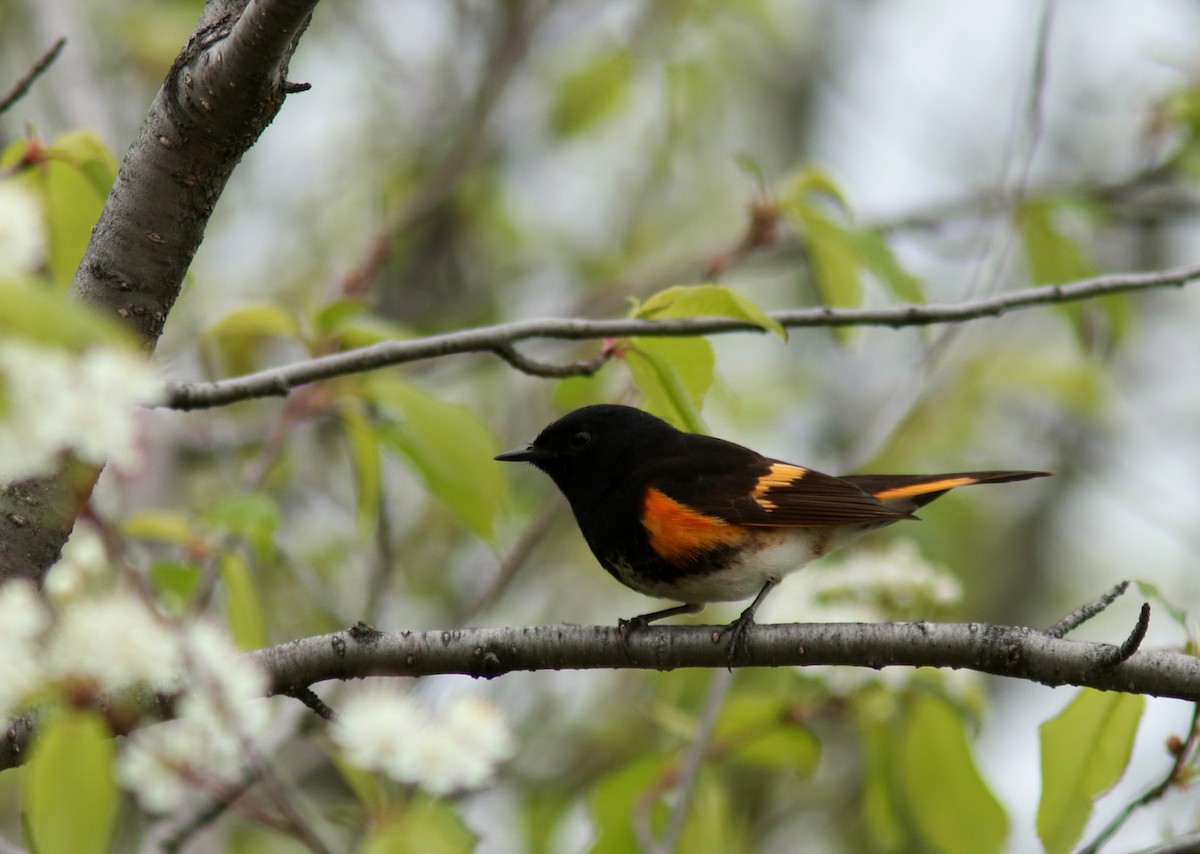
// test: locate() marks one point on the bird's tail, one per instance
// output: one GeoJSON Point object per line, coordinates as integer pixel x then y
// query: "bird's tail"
{"type": "Point", "coordinates": [907, 492]}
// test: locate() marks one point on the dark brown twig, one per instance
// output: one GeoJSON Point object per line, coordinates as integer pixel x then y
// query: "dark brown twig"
{"type": "Point", "coordinates": [22, 86]}
{"type": "Point", "coordinates": [1131, 643]}
{"type": "Point", "coordinates": [309, 698]}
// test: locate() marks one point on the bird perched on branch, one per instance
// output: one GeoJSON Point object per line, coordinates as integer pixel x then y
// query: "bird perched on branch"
{"type": "Point", "coordinates": [697, 519]}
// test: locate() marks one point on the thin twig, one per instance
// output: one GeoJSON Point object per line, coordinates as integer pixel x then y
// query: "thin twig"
{"type": "Point", "coordinates": [693, 760]}
{"type": "Point", "coordinates": [22, 86]}
{"type": "Point", "coordinates": [1085, 612]}
{"type": "Point", "coordinates": [526, 365]}
{"type": "Point", "coordinates": [310, 699]}
{"type": "Point", "coordinates": [279, 381]}
{"type": "Point", "coordinates": [1131, 643]}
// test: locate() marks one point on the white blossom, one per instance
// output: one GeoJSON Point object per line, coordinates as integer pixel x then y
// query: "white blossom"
{"type": "Point", "coordinates": [53, 401]}
{"type": "Point", "coordinates": [115, 641]}
{"type": "Point", "coordinates": [22, 229]}
{"type": "Point", "coordinates": [23, 617]}
{"type": "Point", "coordinates": [442, 753]}
{"type": "Point", "coordinates": [895, 579]}
{"type": "Point", "coordinates": [110, 384]}
{"type": "Point", "coordinates": [34, 408]}
{"type": "Point", "coordinates": [221, 683]}
{"type": "Point", "coordinates": [171, 765]}
{"type": "Point", "coordinates": [83, 559]}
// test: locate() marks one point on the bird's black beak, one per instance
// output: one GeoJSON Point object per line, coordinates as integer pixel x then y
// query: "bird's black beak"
{"type": "Point", "coordinates": [528, 454]}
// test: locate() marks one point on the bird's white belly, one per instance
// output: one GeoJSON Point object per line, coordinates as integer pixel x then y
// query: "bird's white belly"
{"type": "Point", "coordinates": [781, 552]}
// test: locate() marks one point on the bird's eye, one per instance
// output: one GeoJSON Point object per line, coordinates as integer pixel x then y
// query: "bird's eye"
{"type": "Point", "coordinates": [581, 439]}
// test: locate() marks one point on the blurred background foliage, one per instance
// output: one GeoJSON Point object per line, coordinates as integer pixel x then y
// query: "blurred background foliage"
{"type": "Point", "coordinates": [463, 163]}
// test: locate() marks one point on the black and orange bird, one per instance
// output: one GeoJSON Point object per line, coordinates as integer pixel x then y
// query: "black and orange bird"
{"type": "Point", "coordinates": [697, 519]}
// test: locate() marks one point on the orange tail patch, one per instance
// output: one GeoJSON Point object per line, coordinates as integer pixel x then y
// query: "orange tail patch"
{"type": "Point", "coordinates": [923, 488]}
{"type": "Point", "coordinates": [678, 533]}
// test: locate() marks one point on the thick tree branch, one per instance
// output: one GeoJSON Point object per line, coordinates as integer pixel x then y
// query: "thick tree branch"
{"type": "Point", "coordinates": [1012, 651]}
{"type": "Point", "coordinates": [223, 90]}
{"type": "Point", "coordinates": [1015, 652]}
{"type": "Point", "coordinates": [501, 337]}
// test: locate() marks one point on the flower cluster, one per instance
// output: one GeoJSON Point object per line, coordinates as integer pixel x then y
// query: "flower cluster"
{"type": "Point", "coordinates": [442, 751]}
{"type": "Point", "coordinates": [873, 586]}
{"type": "Point", "coordinates": [53, 401]}
{"type": "Point", "coordinates": [99, 644]}
{"type": "Point", "coordinates": [203, 752]}
{"type": "Point", "coordinates": [892, 583]}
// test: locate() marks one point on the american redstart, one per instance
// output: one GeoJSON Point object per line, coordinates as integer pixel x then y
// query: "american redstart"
{"type": "Point", "coordinates": [697, 519]}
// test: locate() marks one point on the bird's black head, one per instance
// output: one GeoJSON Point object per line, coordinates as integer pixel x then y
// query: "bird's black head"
{"type": "Point", "coordinates": [586, 447]}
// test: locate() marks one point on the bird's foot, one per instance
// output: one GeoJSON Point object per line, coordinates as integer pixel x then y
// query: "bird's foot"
{"type": "Point", "coordinates": [737, 633]}
{"type": "Point", "coordinates": [635, 624]}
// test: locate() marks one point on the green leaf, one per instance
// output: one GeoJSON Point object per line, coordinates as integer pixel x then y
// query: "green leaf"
{"type": "Point", "coordinates": [880, 260]}
{"type": "Point", "coordinates": [612, 803]}
{"type": "Point", "coordinates": [575, 392]}
{"type": "Point", "coordinates": [884, 824]}
{"type": "Point", "coordinates": [362, 438]}
{"type": "Point", "coordinates": [751, 167]}
{"type": "Point", "coordinates": [706, 301]}
{"type": "Point", "coordinates": [761, 732]}
{"type": "Point", "coordinates": [350, 324]}
{"type": "Point", "coordinates": [1053, 257]}
{"type": "Point", "coordinates": [237, 335]}
{"type": "Point", "coordinates": [425, 827]}
{"type": "Point", "coordinates": [36, 313]}
{"type": "Point", "coordinates": [592, 93]}
{"type": "Point", "coordinates": [951, 805]}
{"type": "Point", "coordinates": [254, 321]}
{"type": "Point", "coordinates": [368, 786]}
{"type": "Point", "coordinates": [73, 178]}
{"type": "Point", "coordinates": [163, 526]}
{"type": "Point", "coordinates": [253, 516]}
{"type": "Point", "coordinates": [834, 255]}
{"type": "Point", "coordinates": [86, 152]}
{"type": "Point", "coordinates": [175, 582]}
{"type": "Point", "coordinates": [67, 788]}
{"type": "Point", "coordinates": [243, 611]}
{"type": "Point", "coordinates": [807, 185]}
{"type": "Point", "coordinates": [710, 826]}
{"type": "Point", "coordinates": [673, 375]}
{"type": "Point", "coordinates": [1149, 590]}
{"type": "Point", "coordinates": [1085, 750]}
{"type": "Point", "coordinates": [450, 448]}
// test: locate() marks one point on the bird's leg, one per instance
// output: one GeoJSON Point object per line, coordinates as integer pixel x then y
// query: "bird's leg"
{"type": "Point", "coordinates": [737, 629]}
{"type": "Point", "coordinates": [626, 627]}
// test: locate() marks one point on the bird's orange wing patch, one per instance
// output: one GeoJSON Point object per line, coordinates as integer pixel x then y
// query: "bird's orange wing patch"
{"type": "Point", "coordinates": [778, 476]}
{"type": "Point", "coordinates": [923, 488]}
{"type": "Point", "coordinates": [678, 533]}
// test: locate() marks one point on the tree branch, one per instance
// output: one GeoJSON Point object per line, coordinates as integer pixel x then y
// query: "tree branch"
{"type": "Point", "coordinates": [223, 90]}
{"type": "Point", "coordinates": [276, 382]}
{"type": "Point", "coordinates": [1011, 651]}
{"type": "Point", "coordinates": [1015, 652]}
